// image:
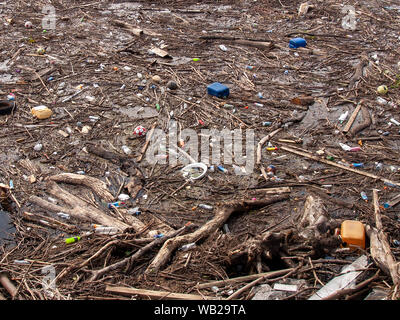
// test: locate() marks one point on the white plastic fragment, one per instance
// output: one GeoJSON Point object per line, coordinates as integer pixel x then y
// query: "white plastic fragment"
{"type": "Point", "coordinates": [343, 281]}
{"type": "Point", "coordinates": [285, 287]}
{"type": "Point", "coordinates": [345, 147]}
{"type": "Point", "coordinates": [123, 197]}
{"type": "Point", "coordinates": [194, 171]}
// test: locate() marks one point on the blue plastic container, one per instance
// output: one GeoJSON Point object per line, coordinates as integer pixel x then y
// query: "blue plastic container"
{"type": "Point", "coordinates": [297, 43]}
{"type": "Point", "coordinates": [217, 89]}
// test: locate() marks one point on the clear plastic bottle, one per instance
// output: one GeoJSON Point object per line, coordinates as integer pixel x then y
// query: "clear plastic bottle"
{"type": "Point", "coordinates": [63, 215]}
{"type": "Point", "coordinates": [188, 246]}
{"type": "Point", "coordinates": [205, 206]}
{"type": "Point", "coordinates": [343, 117]}
{"type": "Point", "coordinates": [364, 196]}
{"type": "Point", "coordinates": [106, 230]}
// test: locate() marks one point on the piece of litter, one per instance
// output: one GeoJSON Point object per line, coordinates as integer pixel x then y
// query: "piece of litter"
{"type": "Point", "coordinates": [285, 287]}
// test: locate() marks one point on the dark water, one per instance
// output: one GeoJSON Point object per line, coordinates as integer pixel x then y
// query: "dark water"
{"type": "Point", "coordinates": [7, 229]}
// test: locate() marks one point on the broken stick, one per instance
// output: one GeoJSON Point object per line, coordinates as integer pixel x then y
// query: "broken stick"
{"type": "Point", "coordinates": [127, 26]}
{"type": "Point", "coordinates": [148, 139]}
{"type": "Point", "coordinates": [163, 295]}
{"type": "Point", "coordinates": [331, 163]}
{"type": "Point", "coordinates": [352, 118]}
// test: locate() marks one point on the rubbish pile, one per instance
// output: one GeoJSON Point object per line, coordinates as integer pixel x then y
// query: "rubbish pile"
{"type": "Point", "coordinates": [196, 150]}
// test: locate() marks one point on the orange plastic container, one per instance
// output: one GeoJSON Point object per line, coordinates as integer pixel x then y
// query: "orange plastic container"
{"type": "Point", "coordinates": [353, 234]}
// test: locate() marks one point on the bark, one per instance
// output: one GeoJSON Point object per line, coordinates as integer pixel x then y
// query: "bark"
{"type": "Point", "coordinates": [79, 209]}
{"type": "Point", "coordinates": [99, 187]}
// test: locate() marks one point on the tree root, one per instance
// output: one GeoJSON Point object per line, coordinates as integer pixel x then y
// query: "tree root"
{"type": "Point", "coordinates": [221, 216]}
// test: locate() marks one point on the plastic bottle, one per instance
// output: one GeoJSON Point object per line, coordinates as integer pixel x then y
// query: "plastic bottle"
{"type": "Point", "coordinates": [136, 211]}
{"type": "Point", "coordinates": [343, 116]}
{"type": "Point", "coordinates": [395, 122]}
{"type": "Point", "coordinates": [222, 169]}
{"type": "Point", "coordinates": [205, 206]}
{"type": "Point", "coordinates": [115, 204]}
{"type": "Point", "coordinates": [188, 246]}
{"type": "Point", "coordinates": [364, 196]}
{"type": "Point", "coordinates": [21, 262]}
{"type": "Point", "coordinates": [358, 165]}
{"type": "Point", "coordinates": [345, 147]}
{"type": "Point", "coordinates": [378, 165]}
{"type": "Point", "coordinates": [63, 215]}
{"type": "Point", "coordinates": [386, 205]}
{"type": "Point", "coordinates": [106, 230]}
{"type": "Point", "coordinates": [72, 240]}
{"type": "Point", "coordinates": [52, 200]}
{"type": "Point", "coordinates": [266, 123]}
{"type": "Point", "coordinates": [159, 235]}
{"type": "Point", "coordinates": [271, 168]}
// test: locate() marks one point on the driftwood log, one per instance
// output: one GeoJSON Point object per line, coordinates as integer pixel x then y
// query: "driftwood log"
{"type": "Point", "coordinates": [380, 248]}
{"type": "Point", "coordinates": [223, 212]}
{"type": "Point", "coordinates": [98, 186]}
{"type": "Point", "coordinates": [82, 210]}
